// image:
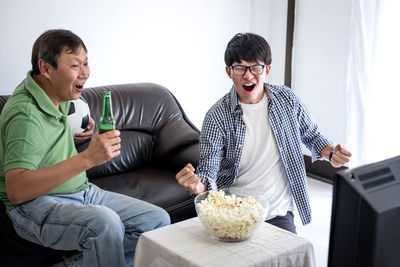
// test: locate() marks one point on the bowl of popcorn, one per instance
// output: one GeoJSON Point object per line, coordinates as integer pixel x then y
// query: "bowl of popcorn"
{"type": "Point", "coordinates": [227, 216]}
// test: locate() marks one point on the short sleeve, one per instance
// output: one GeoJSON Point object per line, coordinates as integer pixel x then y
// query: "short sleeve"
{"type": "Point", "coordinates": [23, 142]}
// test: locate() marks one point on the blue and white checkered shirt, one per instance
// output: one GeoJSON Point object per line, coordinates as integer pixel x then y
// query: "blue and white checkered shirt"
{"type": "Point", "coordinates": [222, 138]}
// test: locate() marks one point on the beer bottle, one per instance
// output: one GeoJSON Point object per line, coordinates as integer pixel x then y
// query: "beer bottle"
{"type": "Point", "coordinates": [107, 122]}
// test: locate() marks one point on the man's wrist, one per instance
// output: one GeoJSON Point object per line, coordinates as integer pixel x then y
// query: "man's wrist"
{"type": "Point", "coordinates": [331, 155]}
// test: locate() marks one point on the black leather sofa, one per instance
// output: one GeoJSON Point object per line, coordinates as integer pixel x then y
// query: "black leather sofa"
{"type": "Point", "coordinates": [157, 140]}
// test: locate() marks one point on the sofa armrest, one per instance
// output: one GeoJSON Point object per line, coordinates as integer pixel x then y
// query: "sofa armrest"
{"type": "Point", "coordinates": [178, 159]}
{"type": "Point", "coordinates": [173, 137]}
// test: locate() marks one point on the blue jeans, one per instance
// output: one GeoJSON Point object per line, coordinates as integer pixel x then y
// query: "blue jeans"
{"type": "Point", "coordinates": [102, 226]}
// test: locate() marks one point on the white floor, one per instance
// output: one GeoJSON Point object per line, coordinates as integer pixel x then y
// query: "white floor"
{"type": "Point", "coordinates": [318, 231]}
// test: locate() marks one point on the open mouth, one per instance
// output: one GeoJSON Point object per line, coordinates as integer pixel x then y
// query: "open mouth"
{"type": "Point", "coordinates": [79, 87]}
{"type": "Point", "coordinates": [248, 88]}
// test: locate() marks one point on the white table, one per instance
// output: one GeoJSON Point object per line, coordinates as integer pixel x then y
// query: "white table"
{"type": "Point", "coordinates": [188, 243]}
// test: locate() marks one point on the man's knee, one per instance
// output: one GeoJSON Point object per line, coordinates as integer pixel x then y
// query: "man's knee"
{"type": "Point", "coordinates": [154, 218]}
{"type": "Point", "coordinates": [163, 218]}
{"type": "Point", "coordinates": [106, 221]}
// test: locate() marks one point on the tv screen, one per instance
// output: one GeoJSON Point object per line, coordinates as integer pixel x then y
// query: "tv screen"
{"type": "Point", "coordinates": [365, 222]}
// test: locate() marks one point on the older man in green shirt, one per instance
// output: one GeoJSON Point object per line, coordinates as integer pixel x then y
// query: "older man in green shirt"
{"type": "Point", "coordinates": [42, 177]}
{"type": "Point", "coordinates": [35, 135]}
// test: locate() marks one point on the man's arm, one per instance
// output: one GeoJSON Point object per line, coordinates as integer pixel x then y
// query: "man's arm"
{"type": "Point", "coordinates": [23, 185]}
{"type": "Point", "coordinates": [314, 140]}
{"type": "Point", "coordinates": [210, 151]}
{"type": "Point", "coordinates": [212, 138]}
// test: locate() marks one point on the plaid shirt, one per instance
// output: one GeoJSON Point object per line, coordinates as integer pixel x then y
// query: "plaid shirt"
{"type": "Point", "coordinates": [222, 138]}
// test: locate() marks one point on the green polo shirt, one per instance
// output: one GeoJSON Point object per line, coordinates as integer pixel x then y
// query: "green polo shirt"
{"type": "Point", "coordinates": [34, 134]}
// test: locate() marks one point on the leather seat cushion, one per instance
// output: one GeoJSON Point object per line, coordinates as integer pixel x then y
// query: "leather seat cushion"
{"type": "Point", "coordinates": [155, 185]}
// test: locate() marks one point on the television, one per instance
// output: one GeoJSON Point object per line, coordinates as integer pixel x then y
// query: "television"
{"type": "Point", "coordinates": [365, 221]}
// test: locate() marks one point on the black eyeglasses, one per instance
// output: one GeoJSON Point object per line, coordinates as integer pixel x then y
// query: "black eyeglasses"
{"type": "Point", "coordinates": [240, 70]}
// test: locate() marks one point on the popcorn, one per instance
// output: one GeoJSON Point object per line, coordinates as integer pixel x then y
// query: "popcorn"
{"type": "Point", "coordinates": [229, 217]}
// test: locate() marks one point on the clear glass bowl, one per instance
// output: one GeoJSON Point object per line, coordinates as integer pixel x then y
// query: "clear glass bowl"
{"type": "Point", "coordinates": [227, 216]}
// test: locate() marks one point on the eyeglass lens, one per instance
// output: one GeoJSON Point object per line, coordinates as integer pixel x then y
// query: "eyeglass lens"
{"type": "Point", "coordinates": [254, 69]}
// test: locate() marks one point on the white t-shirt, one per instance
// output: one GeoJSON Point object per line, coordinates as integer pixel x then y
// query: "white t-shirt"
{"type": "Point", "coordinates": [261, 173]}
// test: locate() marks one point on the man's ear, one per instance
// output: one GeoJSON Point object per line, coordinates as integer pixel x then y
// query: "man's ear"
{"type": "Point", "coordinates": [267, 70]}
{"type": "Point", "coordinates": [228, 71]}
{"type": "Point", "coordinates": [44, 68]}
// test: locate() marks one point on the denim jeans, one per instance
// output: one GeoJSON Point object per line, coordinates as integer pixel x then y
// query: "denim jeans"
{"type": "Point", "coordinates": [102, 226]}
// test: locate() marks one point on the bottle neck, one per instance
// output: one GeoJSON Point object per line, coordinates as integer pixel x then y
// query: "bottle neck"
{"type": "Point", "coordinates": [107, 107]}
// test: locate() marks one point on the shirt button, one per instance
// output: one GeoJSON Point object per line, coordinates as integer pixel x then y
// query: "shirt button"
{"type": "Point", "coordinates": [240, 145]}
{"type": "Point", "coordinates": [236, 164]}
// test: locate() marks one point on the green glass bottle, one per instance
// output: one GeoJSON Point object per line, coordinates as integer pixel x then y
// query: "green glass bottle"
{"type": "Point", "coordinates": [107, 122]}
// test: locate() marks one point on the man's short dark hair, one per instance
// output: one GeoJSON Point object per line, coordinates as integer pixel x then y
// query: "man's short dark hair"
{"type": "Point", "coordinates": [51, 44]}
{"type": "Point", "coordinates": [247, 47]}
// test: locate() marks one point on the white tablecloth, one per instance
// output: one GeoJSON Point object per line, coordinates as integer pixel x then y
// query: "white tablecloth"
{"type": "Point", "coordinates": [188, 243]}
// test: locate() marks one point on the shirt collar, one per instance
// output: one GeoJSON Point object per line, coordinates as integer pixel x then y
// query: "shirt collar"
{"type": "Point", "coordinates": [234, 101]}
{"type": "Point", "coordinates": [235, 106]}
{"type": "Point", "coordinates": [269, 93]}
{"type": "Point", "coordinates": [42, 99]}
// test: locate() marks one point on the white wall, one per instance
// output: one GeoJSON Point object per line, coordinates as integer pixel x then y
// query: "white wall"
{"type": "Point", "coordinates": [177, 43]}
{"type": "Point", "coordinates": [269, 19]}
{"type": "Point", "coordinates": [320, 59]}
{"type": "Point", "coordinates": [180, 44]}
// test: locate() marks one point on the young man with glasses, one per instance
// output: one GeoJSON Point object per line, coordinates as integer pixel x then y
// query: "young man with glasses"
{"type": "Point", "coordinates": [251, 138]}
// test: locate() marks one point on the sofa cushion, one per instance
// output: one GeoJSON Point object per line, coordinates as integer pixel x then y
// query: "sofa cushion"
{"type": "Point", "coordinates": [155, 185]}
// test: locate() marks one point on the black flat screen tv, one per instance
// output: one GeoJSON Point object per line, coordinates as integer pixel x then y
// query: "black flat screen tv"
{"type": "Point", "coordinates": [365, 222]}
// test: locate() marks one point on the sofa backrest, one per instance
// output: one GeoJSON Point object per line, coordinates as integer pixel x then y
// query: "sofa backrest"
{"type": "Point", "coordinates": [153, 125]}
{"type": "Point", "coordinates": [3, 100]}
